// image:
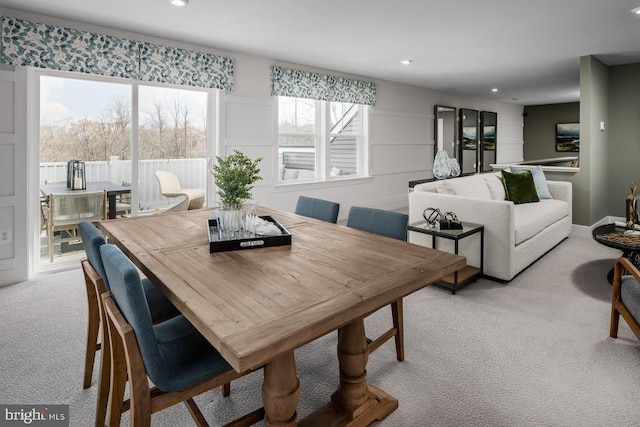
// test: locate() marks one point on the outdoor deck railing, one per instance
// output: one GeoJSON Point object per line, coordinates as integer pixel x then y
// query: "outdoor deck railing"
{"type": "Point", "coordinates": [192, 173]}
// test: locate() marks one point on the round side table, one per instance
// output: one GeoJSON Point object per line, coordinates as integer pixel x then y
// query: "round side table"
{"type": "Point", "coordinates": [613, 236]}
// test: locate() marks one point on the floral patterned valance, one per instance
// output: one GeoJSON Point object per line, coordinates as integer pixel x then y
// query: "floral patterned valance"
{"type": "Point", "coordinates": [66, 49]}
{"type": "Point", "coordinates": [306, 84]}
{"type": "Point", "coordinates": [57, 48]}
{"type": "Point", "coordinates": [185, 67]}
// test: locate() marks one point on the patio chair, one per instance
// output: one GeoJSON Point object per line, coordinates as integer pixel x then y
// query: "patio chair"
{"type": "Point", "coordinates": [394, 225]}
{"type": "Point", "coordinates": [177, 359]}
{"type": "Point", "coordinates": [318, 209]}
{"type": "Point", "coordinates": [67, 210]}
{"type": "Point", "coordinates": [625, 299]}
{"type": "Point", "coordinates": [170, 187]}
{"type": "Point", "coordinates": [123, 203]}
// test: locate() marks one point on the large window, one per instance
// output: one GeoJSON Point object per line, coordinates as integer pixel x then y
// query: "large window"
{"type": "Point", "coordinates": [319, 140]}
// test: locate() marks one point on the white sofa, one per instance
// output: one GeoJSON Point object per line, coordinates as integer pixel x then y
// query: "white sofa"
{"type": "Point", "coordinates": [515, 235]}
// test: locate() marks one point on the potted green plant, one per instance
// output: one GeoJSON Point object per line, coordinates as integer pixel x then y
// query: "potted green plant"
{"type": "Point", "coordinates": [234, 176]}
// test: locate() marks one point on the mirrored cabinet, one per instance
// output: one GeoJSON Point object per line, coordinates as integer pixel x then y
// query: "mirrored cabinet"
{"type": "Point", "coordinates": [468, 152]}
{"type": "Point", "coordinates": [445, 130]}
{"type": "Point", "coordinates": [488, 140]}
{"type": "Point", "coordinates": [470, 136]}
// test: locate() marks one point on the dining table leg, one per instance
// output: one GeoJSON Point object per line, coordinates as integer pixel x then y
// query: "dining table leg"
{"type": "Point", "coordinates": [355, 403]}
{"type": "Point", "coordinates": [352, 394]}
{"type": "Point", "coordinates": [281, 391]}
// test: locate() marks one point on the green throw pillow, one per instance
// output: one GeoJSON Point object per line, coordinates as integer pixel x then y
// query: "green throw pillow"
{"type": "Point", "coordinates": [542, 188]}
{"type": "Point", "coordinates": [520, 187]}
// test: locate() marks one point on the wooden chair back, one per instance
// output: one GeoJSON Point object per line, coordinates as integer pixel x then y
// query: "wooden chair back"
{"type": "Point", "coordinates": [324, 210]}
{"type": "Point", "coordinates": [394, 225]}
{"type": "Point", "coordinates": [631, 314]}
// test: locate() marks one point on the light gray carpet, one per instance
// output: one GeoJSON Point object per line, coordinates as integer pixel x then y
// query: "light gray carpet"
{"type": "Point", "coordinates": [534, 352]}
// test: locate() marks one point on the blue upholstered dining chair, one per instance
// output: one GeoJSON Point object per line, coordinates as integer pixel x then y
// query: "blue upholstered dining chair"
{"type": "Point", "coordinates": [318, 209]}
{"type": "Point", "coordinates": [626, 297]}
{"type": "Point", "coordinates": [389, 224]}
{"type": "Point", "coordinates": [96, 284]}
{"type": "Point", "coordinates": [177, 359]}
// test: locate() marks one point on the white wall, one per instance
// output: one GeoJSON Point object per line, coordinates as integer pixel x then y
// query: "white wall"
{"type": "Point", "coordinates": [400, 129]}
{"type": "Point", "coordinates": [13, 177]}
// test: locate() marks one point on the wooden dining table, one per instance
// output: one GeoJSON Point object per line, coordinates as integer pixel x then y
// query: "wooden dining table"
{"type": "Point", "coordinates": [256, 306]}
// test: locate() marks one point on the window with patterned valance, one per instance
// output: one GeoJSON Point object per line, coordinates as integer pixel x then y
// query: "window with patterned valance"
{"type": "Point", "coordinates": [58, 48]}
{"type": "Point", "coordinates": [324, 87]}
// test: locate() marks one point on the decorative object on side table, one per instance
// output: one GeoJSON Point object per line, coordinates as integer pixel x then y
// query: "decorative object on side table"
{"type": "Point", "coordinates": [441, 165]}
{"type": "Point", "coordinates": [631, 207]}
{"type": "Point", "coordinates": [455, 167]}
{"type": "Point", "coordinates": [441, 221]}
{"type": "Point", "coordinates": [234, 175]}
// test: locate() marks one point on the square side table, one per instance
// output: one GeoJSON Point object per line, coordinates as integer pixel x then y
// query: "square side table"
{"type": "Point", "coordinates": [468, 273]}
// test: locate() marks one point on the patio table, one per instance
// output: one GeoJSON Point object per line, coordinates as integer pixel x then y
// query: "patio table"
{"type": "Point", "coordinates": [112, 190]}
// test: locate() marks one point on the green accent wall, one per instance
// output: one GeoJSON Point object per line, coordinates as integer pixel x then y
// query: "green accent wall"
{"type": "Point", "coordinates": [623, 143]}
{"type": "Point", "coordinates": [540, 129]}
{"type": "Point", "coordinates": [591, 183]}
{"type": "Point", "coordinates": [609, 158]}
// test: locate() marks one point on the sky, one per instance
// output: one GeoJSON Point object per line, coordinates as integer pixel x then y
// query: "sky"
{"type": "Point", "coordinates": [76, 99]}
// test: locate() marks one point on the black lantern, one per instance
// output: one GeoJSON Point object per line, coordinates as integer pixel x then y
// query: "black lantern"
{"type": "Point", "coordinates": [76, 179]}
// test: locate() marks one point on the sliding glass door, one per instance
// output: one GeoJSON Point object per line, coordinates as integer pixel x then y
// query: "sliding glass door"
{"type": "Point", "coordinates": [171, 138]}
{"type": "Point", "coordinates": [82, 119]}
{"type": "Point", "coordinates": [123, 132]}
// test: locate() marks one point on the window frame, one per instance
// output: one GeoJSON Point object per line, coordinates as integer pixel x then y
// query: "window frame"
{"type": "Point", "coordinates": [322, 147]}
{"type": "Point", "coordinates": [33, 79]}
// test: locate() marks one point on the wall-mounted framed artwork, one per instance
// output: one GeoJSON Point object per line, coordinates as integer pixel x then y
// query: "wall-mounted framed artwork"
{"type": "Point", "coordinates": [568, 137]}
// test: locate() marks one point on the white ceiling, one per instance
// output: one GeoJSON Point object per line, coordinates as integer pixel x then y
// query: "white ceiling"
{"type": "Point", "coordinates": [530, 50]}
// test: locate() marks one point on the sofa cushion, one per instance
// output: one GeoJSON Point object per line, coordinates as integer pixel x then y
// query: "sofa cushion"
{"type": "Point", "coordinates": [531, 218]}
{"type": "Point", "coordinates": [539, 180]}
{"type": "Point", "coordinates": [469, 186]}
{"type": "Point", "coordinates": [520, 187]}
{"type": "Point", "coordinates": [496, 187]}
{"type": "Point", "coordinates": [630, 295]}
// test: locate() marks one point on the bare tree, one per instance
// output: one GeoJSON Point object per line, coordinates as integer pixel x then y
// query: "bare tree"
{"type": "Point", "coordinates": [158, 125]}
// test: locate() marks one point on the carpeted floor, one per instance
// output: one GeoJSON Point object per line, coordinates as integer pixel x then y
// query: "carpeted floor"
{"type": "Point", "coordinates": [533, 352]}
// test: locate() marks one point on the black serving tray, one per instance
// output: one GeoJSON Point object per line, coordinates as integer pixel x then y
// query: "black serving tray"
{"type": "Point", "coordinates": [218, 244]}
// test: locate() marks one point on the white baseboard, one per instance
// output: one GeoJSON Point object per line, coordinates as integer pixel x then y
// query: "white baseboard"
{"type": "Point", "coordinates": [585, 230]}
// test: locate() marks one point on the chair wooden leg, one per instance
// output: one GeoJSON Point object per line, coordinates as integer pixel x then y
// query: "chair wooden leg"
{"type": "Point", "coordinates": [398, 324]}
{"type": "Point", "coordinates": [92, 332]}
{"type": "Point", "coordinates": [50, 238]}
{"type": "Point", "coordinates": [104, 383]}
{"type": "Point", "coordinates": [140, 394]}
{"type": "Point", "coordinates": [226, 389]}
{"type": "Point", "coordinates": [615, 319]}
{"type": "Point", "coordinates": [118, 380]}
{"type": "Point", "coordinates": [104, 379]}
{"type": "Point", "coordinates": [196, 414]}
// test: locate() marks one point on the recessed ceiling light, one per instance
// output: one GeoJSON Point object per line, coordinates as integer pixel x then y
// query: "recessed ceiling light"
{"type": "Point", "coordinates": [495, 89]}
{"type": "Point", "coordinates": [406, 61]}
{"type": "Point", "coordinates": [179, 2]}
{"type": "Point", "coordinates": [636, 10]}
